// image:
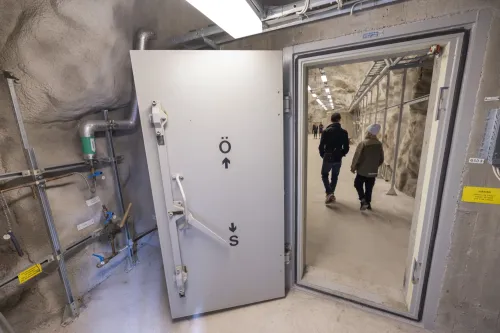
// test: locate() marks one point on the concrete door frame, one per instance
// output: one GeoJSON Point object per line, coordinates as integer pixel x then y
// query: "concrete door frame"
{"type": "Point", "coordinates": [475, 24]}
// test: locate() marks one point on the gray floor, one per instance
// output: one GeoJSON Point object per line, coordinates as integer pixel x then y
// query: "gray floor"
{"type": "Point", "coordinates": [137, 302]}
{"type": "Point", "coordinates": [357, 253]}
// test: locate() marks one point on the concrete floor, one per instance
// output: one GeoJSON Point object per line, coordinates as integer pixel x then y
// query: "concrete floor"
{"type": "Point", "coordinates": [137, 302]}
{"type": "Point", "coordinates": [358, 253]}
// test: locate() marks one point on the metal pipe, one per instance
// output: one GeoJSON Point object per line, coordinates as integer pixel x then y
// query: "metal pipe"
{"type": "Point", "coordinates": [407, 103]}
{"type": "Point", "coordinates": [392, 190]}
{"type": "Point", "coordinates": [118, 190]}
{"type": "Point", "coordinates": [386, 104]}
{"type": "Point", "coordinates": [88, 128]}
{"type": "Point", "coordinates": [295, 8]}
{"type": "Point", "coordinates": [376, 101]}
{"type": "Point", "coordinates": [44, 201]}
{"type": "Point", "coordinates": [375, 81]}
{"type": "Point", "coordinates": [5, 327]}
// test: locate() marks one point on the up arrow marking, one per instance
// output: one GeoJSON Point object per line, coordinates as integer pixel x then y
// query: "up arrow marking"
{"type": "Point", "coordinates": [226, 162]}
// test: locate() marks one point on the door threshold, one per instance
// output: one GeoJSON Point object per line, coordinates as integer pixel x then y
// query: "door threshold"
{"type": "Point", "coordinates": [369, 306]}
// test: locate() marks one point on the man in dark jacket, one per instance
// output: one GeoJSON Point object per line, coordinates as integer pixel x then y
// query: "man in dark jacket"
{"type": "Point", "coordinates": [334, 145]}
{"type": "Point", "coordinates": [368, 158]}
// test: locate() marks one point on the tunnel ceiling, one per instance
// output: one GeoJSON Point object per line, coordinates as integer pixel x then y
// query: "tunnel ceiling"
{"type": "Point", "coordinates": [276, 2]}
{"type": "Point", "coordinates": [343, 82]}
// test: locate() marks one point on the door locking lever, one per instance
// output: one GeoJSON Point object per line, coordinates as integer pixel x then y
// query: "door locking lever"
{"type": "Point", "coordinates": [190, 220]}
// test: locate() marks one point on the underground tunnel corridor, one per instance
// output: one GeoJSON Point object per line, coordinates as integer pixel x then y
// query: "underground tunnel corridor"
{"type": "Point", "coordinates": [361, 253]}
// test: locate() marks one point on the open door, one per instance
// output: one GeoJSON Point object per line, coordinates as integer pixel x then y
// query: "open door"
{"type": "Point", "coordinates": [433, 166]}
{"type": "Point", "coordinates": [212, 124]}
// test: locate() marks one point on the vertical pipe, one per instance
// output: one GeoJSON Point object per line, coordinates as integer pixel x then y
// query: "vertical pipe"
{"type": "Point", "coordinates": [392, 191]}
{"type": "Point", "coordinates": [386, 104]}
{"type": "Point", "coordinates": [118, 190]}
{"type": "Point", "coordinates": [44, 200]}
{"type": "Point", "coordinates": [376, 103]}
{"type": "Point", "coordinates": [371, 106]}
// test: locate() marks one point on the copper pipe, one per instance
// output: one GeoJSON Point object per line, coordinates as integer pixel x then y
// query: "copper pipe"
{"type": "Point", "coordinates": [125, 216]}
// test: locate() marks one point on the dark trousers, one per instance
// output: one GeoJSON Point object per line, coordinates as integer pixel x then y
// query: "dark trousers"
{"type": "Point", "coordinates": [315, 134]}
{"type": "Point", "coordinates": [366, 192]}
{"type": "Point", "coordinates": [325, 170]}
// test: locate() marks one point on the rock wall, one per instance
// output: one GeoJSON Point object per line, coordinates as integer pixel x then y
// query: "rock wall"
{"type": "Point", "coordinates": [412, 132]}
{"type": "Point", "coordinates": [72, 60]}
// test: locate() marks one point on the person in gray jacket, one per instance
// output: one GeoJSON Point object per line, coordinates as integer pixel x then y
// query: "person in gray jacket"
{"type": "Point", "coordinates": [368, 157]}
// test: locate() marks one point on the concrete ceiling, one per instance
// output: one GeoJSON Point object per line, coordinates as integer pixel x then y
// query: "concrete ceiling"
{"type": "Point", "coordinates": [343, 82]}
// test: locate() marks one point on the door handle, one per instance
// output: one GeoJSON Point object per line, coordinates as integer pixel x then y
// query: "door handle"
{"type": "Point", "coordinates": [190, 220]}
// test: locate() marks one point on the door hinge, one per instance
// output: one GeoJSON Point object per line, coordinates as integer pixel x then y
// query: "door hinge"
{"type": "Point", "coordinates": [158, 118]}
{"type": "Point", "coordinates": [288, 253]}
{"type": "Point", "coordinates": [440, 102]}
{"type": "Point", "coordinates": [417, 269]}
{"type": "Point", "coordinates": [287, 103]}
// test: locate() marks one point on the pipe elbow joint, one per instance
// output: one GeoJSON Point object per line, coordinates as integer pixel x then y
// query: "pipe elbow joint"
{"type": "Point", "coordinates": [143, 37]}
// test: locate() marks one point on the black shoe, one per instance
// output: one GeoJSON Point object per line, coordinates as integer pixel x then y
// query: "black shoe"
{"type": "Point", "coordinates": [364, 205]}
{"type": "Point", "coordinates": [369, 207]}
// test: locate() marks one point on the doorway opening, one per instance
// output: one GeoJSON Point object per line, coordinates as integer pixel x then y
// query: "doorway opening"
{"type": "Point", "coordinates": [367, 213]}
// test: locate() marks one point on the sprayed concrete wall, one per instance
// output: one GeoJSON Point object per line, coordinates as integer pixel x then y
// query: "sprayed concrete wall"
{"type": "Point", "coordinates": [470, 293]}
{"type": "Point", "coordinates": [72, 60]}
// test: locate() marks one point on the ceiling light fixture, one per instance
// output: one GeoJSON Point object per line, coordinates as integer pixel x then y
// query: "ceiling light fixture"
{"type": "Point", "coordinates": [330, 97]}
{"type": "Point", "coordinates": [327, 90]}
{"type": "Point", "coordinates": [236, 17]}
{"type": "Point", "coordinates": [323, 78]}
{"type": "Point", "coordinates": [314, 95]}
{"type": "Point", "coordinates": [309, 88]}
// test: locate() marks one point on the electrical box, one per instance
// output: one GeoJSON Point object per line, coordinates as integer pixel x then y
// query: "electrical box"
{"type": "Point", "coordinates": [490, 146]}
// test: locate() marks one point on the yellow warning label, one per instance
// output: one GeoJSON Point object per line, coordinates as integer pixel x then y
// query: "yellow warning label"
{"type": "Point", "coordinates": [484, 195]}
{"type": "Point", "coordinates": [29, 273]}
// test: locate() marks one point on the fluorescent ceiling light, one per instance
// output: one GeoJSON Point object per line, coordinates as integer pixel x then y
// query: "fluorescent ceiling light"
{"type": "Point", "coordinates": [236, 17]}
{"type": "Point", "coordinates": [320, 102]}
{"type": "Point", "coordinates": [314, 95]}
{"type": "Point", "coordinates": [323, 78]}
{"type": "Point", "coordinates": [309, 88]}
{"type": "Point", "coordinates": [329, 97]}
{"type": "Point", "coordinates": [327, 90]}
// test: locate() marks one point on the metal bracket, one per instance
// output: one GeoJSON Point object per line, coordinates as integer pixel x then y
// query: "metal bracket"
{"type": "Point", "coordinates": [71, 311]}
{"type": "Point", "coordinates": [180, 279]}
{"type": "Point", "coordinates": [109, 159]}
{"type": "Point", "coordinates": [35, 172]}
{"type": "Point", "coordinates": [158, 118]}
{"type": "Point", "coordinates": [415, 276]}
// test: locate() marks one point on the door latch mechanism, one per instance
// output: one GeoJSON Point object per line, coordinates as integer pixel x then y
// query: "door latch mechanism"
{"type": "Point", "coordinates": [158, 118]}
{"type": "Point", "coordinates": [180, 279]}
{"type": "Point", "coordinates": [288, 253]}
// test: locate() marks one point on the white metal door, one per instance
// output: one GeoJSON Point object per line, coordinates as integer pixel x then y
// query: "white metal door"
{"type": "Point", "coordinates": [215, 159]}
